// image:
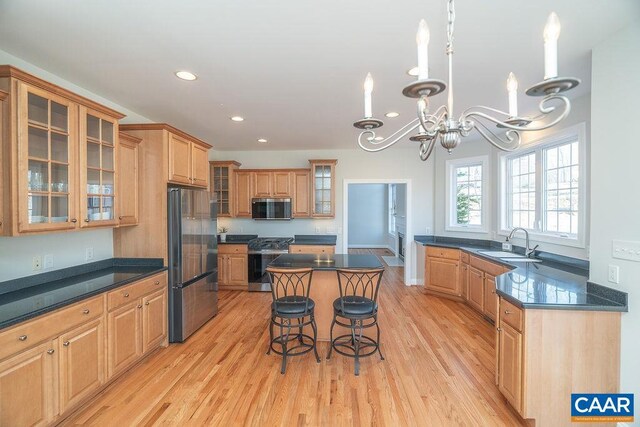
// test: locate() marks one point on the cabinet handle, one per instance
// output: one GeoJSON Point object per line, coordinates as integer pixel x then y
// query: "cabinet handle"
{"type": "Point", "coordinates": [86, 220]}
{"type": "Point", "coordinates": [498, 329]}
{"type": "Point", "coordinates": [493, 292]}
{"type": "Point", "coordinates": [85, 311]}
{"type": "Point", "coordinates": [74, 220]}
{"type": "Point", "coordinates": [126, 295]}
{"type": "Point", "coordinates": [146, 303]}
{"type": "Point", "coordinates": [51, 351]}
{"type": "Point", "coordinates": [507, 312]}
{"type": "Point", "coordinates": [22, 337]}
{"type": "Point", "coordinates": [139, 305]}
{"type": "Point", "coordinates": [0, 223]}
{"type": "Point", "coordinates": [157, 282]}
{"type": "Point", "coordinates": [66, 343]}
{"type": "Point", "coordinates": [120, 217]}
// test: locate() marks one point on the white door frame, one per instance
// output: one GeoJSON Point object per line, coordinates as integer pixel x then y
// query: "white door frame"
{"type": "Point", "coordinates": [408, 256]}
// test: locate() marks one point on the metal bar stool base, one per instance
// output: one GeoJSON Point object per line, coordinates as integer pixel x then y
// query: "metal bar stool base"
{"type": "Point", "coordinates": [306, 343]}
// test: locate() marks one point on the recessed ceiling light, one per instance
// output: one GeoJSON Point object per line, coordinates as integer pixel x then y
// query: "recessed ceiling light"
{"type": "Point", "coordinates": [413, 71]}
{"type": "Point", "coordinates": [237, 118]}
{"type": "Point", "coordinates": [186, 75]}
{"type": "Point", "coordinates": [392, 114]}
{"type": "Point", "coordinates": [262, 140]}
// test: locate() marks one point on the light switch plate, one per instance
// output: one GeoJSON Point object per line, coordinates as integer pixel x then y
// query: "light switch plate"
{"type": "Point", "coordinates": [623, 249]}
{"type": "Point", "coordinates": [48, 261]}
{"type": "Point", "coordinates": [88, 255]}
{"type": "Point", "coordinates": [614, 273]}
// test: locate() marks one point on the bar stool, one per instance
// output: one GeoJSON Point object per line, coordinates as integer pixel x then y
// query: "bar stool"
{"type": "Point", "coordinates": [358, 305]}
{"type": "Point", "coordinates": [290, 291]}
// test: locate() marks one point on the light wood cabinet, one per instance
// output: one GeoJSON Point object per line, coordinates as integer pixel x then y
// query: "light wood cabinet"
{"type": "Point", "coordinates": [223, 186]}
{"type": "Point", "coordinates": [262, 182]}
{"type": "Point", "coordinates": [244, 190]}
{"type": "Point", "coordinates": [233, 269]}
{"type": "Point", "coordinates": [269, 183]}
{"type": "Point", "coordinates": [4, 177]}
{"type": "Point", "coordinates": [476, 289]}
{"type": "Point", "coordinates": [312, 249]}
{"type": "Point", "coordinates": [128, 175]}
{"type": "Point", "coordinates": [45, 155]}
{"type": "Point", "coordinates": [29, 387]}
{"type": "Point", "coordinates": [301, 184]}
{"type": "Point", "coordinates": [188, 161]}
{"type": "Point", "coordinates": [281, 184]}
{"type": "Point", "coordinates": [464, 280]}
{"type": "Point", "coordinates": [442, 271]}
{"type": "Point", "coordinates": [490, 297]}
{"type": "Point", "coordinates": [199, 165]}
{"type": "Point", "coordinates": [98, 163]}
{"type": "Point", "coordinates": [125, 340]}
{"type": "Point", "coordinates": [323, 193]}
{"type": "Point", "coordinates": [510, 365]}
{"type": "Point", "coordinates": [154, 320]}
{"type": "Point", "coordinates": [82, 363]}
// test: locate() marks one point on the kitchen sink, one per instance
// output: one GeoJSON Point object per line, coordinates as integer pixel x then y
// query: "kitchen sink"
{"type": "Point", "coordinates": [520, 259]}
{"type": "Point", "coordinates": [508, 256]}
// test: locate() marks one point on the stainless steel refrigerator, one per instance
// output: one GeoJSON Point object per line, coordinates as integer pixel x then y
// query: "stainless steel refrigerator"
{"type": "Point", "coordinates": [193, 261]}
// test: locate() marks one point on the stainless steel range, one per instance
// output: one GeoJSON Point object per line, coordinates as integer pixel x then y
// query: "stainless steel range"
{"type": "Point", "coordinates": [262, 251]}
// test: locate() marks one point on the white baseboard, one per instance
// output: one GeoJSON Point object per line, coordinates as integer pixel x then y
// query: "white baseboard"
{"type": "Point", "coordinates": [415, 282]}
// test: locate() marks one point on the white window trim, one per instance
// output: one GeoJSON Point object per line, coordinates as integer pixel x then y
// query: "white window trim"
{"type": "Point", "coordinates": [570, 133]}
{"type": "Point", "coordinates": [450, 205]}
{"type": "Point", "coordinates": [391, 232]}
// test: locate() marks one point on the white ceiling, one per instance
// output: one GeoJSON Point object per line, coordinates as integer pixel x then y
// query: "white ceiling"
{"type": "Point", "coordinates": [294, 68]}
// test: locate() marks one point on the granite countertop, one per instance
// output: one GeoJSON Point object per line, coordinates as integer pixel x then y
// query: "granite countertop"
{"type": "Point", "coordinates": [237, 239]}
{"type": "Point", "coordinates": [314, 239]}
{"type": "Point", "coordinates": [28, 297]}
{"type": "Point", "coordinates": [555, 283]}
{"type": "Point", "coordinates": [325, 262]}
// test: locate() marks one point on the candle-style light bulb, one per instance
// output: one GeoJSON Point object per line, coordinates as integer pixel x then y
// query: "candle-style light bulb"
{"type": "Point", "coordinates": [368, 89]}
{"type": "Point", "coordinates": [551, 34]}
{"type": "Point", "coordinates": [422, 39]}
{"type": "Point", "coordinates": [512, 88]}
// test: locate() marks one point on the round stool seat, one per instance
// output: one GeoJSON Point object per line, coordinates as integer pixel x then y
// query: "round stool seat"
{"type": "Point", "coordinates": [355, 305]}
{"type": "Point", "coordinates": [293, 305]}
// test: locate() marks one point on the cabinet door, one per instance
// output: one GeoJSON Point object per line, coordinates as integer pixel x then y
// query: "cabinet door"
{"type": "Point", "coordinates": [28, 387]}
{"type": "Point", "coordinates": [300, 194]}
{"type": "Point", "coordinates": [199, 165]}
{"type": "Point", "coordinates": [262, 184]}
{"type": "Point", "coordinates": [490, 297]}
{"type": "Point", "coordinates": [476, 289]}
{"type": "Point", "coordinates": [154, 320]}
{"type": "Point", "coordinates": [243, 194]}
{"type": "Point", "coordinates": [221, 177]}
{"type": "Point", "coordinates": [47, 161]}
{"type": "Point", "coordinates": [179, 160]}
{"type": "Point", "coordinates": [3, 167]}
{"type": "Point", "coordinates": [127, 182]}
{"type": "Point", "coordinates": [98, 145]}
{"type": "Point", "coordinates": [82, 366]}
{"type": "Point", "coordinates": [510, 365]}
{"type": "Point", "coordinates": [323, 193]}
{"type": "Point", "coordinates": [464, 280]}
{"type": "Point", "coordinates": [238, 273]}
{"type": "Point", "coordinates": [442, 275]}
{"type": "Point", "coordinates": [124, 337]}
{"type": "Point", "coordinates": [281, 184]}
{"type": "Point", "coordinates": [223, 275]}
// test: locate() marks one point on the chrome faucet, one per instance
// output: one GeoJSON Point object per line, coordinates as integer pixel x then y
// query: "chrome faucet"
{"type": "Point", "coordinates": [527, 252]}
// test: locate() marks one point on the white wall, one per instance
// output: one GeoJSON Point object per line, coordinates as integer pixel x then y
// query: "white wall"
{"type": "Point", "coordinates": [477, 146]}
{"type": "Point", "coordinates": [67, 248]}
{"type": "Point", "coordinates": [615, 203]}
{"type": "Point", "coordinates": [368, 215]}
{"type": "Point", "coordinates": [395, 163]}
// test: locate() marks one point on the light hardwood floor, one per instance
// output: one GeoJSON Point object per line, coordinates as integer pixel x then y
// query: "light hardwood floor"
{"type": "Point", "coordinates": [439, 370]}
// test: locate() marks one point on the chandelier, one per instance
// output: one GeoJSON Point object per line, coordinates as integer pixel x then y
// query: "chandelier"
{"type": "Point", "coordinates": [443, 126]}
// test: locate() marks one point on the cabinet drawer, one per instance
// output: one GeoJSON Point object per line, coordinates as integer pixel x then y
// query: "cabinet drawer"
{"type": "Point", "coordinates": [486, 266]}
{"type": "Point", "coordinates": [443, 253]}
{"type": "Point", "coordinates": [232, 249]}
{"type": "Point", "coordinates": [49, 325]}
{"type": "Point", "coordinates": [464, 257]}
{"type": "Point", "coordinates": [511, 315]}
{"type": "Point", "coordinates": [311, 249]}
{"type": "Point", "coordinates": [127, 294]}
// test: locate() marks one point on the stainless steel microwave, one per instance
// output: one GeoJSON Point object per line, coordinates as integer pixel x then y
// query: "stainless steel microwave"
{"type": "Point", "coordinates": [271, 208]}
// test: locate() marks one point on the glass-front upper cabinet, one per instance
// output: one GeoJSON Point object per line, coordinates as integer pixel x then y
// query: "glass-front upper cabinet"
{"type": "Point", "coordinates": [98, 141]}
{"type": "Point", "coordinates": [47, 159]}
{"type": "Point", "coordinates": [222, 186]}
{"type": "Point", "coordinates": [323, 174]}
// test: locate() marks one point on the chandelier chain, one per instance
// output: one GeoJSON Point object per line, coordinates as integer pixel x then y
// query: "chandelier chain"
{"type": "Point", "coordinates": [451, 13]}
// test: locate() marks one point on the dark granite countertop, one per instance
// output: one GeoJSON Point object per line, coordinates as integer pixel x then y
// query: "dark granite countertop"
{"type": "Point", "coordinates": [555, 283]}
{"type": "Point", "coordinates": [237, 239]}
{"type": "Point", "coordinates": [28, 297]}
{"type": "Point", "coordinates": [314, 239]}
{"type": "Point", "coordinates": [325, 262]}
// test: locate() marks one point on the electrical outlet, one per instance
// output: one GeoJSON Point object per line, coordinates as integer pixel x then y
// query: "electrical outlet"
{"type": "Point", "coordinates": [614, 273]}
{"type": "Point", "coordinates": [36, 263]}
{"type": "Point", "coordinates": [48, 261]}
{"type": "Point", "coordinates": [507, 246]}
{"type": "Point", "coordinates": [318, 230]}
{"type": "Point", "coordinates": [88, 255]}
{"type": "Point", "coordinates": [428, 230]}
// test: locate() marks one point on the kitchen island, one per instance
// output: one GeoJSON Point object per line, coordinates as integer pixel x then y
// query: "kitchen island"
{"type": "Point", "coordinates": [324, 281]}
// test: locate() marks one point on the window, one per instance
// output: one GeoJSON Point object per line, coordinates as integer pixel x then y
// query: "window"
{"type": "Point", "coordinates": [467, 194]}
{"type": "Point", "coordinates": [543, 188]}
